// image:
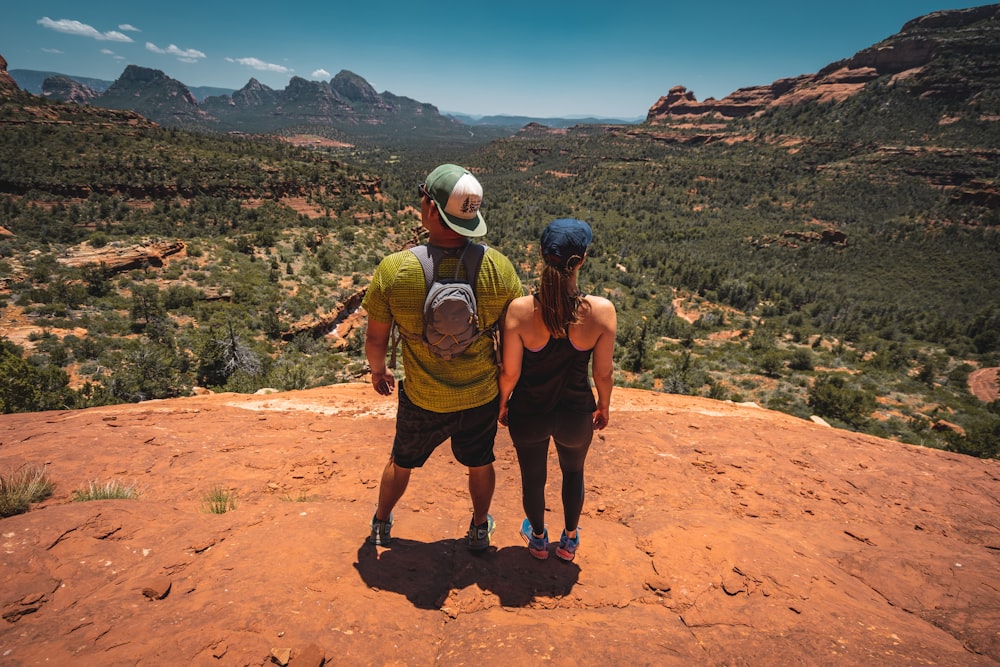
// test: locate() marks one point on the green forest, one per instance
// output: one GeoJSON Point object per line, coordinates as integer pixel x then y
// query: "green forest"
{"type": "Point", "coordinates": [852, 273]}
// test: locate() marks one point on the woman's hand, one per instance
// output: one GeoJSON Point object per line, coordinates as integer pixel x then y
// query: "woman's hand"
{"type": "Point", "coordinates": [601, 418]}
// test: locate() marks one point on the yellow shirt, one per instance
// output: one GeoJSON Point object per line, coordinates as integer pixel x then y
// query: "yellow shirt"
{"type": "Point", "coordinates": [397, 292]}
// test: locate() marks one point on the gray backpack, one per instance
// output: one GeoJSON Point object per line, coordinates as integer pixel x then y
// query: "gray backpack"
{"type": "Point", "coordinates": [451, 321]}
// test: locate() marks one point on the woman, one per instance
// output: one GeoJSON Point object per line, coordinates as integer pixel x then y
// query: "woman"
{"type": "Point", "coordinates": [549, 339]}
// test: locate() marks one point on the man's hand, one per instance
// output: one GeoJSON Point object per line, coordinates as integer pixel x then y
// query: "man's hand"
{"type": "Point", "coordinates": [383, 382]}
{"type": "Point", "coordinates": [376, 345]}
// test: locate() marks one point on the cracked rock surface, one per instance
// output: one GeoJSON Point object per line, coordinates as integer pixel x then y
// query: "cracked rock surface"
{"type": "Point", "coordinates": [712, 534]}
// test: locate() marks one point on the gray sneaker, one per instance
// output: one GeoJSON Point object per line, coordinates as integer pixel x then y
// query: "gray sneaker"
{"type": "Point", "coordinates": [479, 536]}
{"type": "Point", "coordinates": [380, 536]}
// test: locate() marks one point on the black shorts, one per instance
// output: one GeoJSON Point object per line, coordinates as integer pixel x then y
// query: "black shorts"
{"type": "Point", "coordinates": [419, 432]}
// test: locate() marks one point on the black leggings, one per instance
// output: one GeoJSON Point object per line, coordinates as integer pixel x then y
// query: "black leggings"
{"type": "Point", "coordinates": [572, 433]}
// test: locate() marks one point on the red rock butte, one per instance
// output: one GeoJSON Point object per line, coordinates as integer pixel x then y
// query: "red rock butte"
{"type": "Point", "coordinates": [713, 534]}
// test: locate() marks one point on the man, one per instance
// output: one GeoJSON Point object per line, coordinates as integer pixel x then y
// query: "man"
{"type": "Point", "coordinates": [456, 398]}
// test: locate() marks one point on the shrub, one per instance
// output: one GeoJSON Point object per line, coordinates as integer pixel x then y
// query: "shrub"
{"type": "Point", "coordinates": [801, 359]}
{"type": "Point", "coordinates": [982, 440]}
{"type": "Point", "coordinates": [19, 392]}
{"type": "Point", "coordinates": [20, 488]}
{"type": "Point", "coordinates": [832, 396]}
{"type": "Point", "coordinates": [772, 362]}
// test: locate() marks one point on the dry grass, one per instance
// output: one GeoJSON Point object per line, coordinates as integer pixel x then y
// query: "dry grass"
{"type": "Point", "coordinates": [113, 490]}
{"type": "Point", "coordinates": [22, 487]}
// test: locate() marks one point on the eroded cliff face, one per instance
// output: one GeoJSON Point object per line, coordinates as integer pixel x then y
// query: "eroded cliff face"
{"type": "Point", "coordinates": [900, 57]}
{"type": "Point", "coordinates": [7, 82]}
{"type": "Point", "coordinates": [713, 533]}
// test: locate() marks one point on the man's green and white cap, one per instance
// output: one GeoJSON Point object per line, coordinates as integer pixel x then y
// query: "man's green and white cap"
{"type": "Point", "coordinates": [458, 196]}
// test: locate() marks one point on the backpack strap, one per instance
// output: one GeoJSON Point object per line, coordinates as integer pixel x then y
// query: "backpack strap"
{"type": "Point", "coordinates": [430, 256]}
{"type": "Point", "coordinates": [394, 336]}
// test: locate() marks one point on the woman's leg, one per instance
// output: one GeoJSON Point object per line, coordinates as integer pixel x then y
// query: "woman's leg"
{"type": "Point", "coordinates": [572, 435]}
{"type": "Point", "coordinates": [531, 442]}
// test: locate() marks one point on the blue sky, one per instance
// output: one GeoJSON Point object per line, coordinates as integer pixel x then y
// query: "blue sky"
{"type": "Point", "coordinates": [543, 59]}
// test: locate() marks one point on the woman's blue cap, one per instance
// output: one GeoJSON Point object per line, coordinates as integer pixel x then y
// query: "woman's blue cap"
{"type": "Point", "coordinates": [565, 238]}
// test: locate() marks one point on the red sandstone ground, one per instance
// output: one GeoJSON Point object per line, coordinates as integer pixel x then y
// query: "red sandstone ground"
{"type": "Point", "coordinates": [713, 534]}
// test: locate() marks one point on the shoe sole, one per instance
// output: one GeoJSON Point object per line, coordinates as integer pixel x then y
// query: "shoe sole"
{"type": "Point", "coordinates": [539, 555]}
{"type": "Point", "coordinates": [565, 555]}
{"type": "Point", "coordinates": [536, 553]}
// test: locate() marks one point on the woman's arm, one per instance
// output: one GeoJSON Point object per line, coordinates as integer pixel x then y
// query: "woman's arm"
{"type": "Point", "coordinates": [513, 354]}
{"type": "Point", "coordinates": [603, 364]}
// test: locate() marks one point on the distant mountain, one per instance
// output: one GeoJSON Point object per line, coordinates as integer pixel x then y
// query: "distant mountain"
{"type": "Point", "coordinates": [347, 105]}
{"type": "Point", "coordinates": [68, 89]}
{"type": "Point", "coordinates": [33, 81]}
{"type": "Point", "coordinates": [156, 96]}
{"type": "Point", "coordinates": [347, 102]}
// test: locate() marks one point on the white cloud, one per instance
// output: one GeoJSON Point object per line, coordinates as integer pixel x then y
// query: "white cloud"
{"type": "Point", "coordinates": [127, 27]}
{"type": "Point", "coordinates": [71, 27]}
{"type": "Point", "coordinates": [260, 65]}
{"type": "Point", "coordinates": [184, 55]}
{"type": "Point", "coordinates": [107, 52]}
{"type": "Point", "coordinates": [55, 51]}
{"type": "Point", "coordinates": [321, 74]}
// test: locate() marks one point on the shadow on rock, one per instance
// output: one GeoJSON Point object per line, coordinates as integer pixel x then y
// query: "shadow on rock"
{"type": "Point", "coordinates": [428, 573]}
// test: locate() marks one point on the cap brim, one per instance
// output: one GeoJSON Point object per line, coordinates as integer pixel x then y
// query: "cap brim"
{"type": "Point", "coordinates": [471, 227]}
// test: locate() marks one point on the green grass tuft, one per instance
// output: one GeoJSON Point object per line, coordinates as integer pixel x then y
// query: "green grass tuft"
{"type": "Point", "coordinates": [219, 500]}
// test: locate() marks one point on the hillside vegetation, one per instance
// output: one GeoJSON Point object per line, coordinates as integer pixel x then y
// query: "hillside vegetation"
{"type": "Point", "coordinates": [839, 259]}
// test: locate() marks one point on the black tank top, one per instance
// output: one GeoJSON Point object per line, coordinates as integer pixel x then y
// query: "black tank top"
{"type": "Point", "coordinates": [554, 378]}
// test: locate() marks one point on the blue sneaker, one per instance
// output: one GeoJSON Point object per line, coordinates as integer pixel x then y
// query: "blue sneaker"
{"type": "Point", "coordinates": [537, 546]}
{"type": "Point", "coordinates": [479, 536]}
{"type": "Point", "coordinates": [380, 536]}
{"type": "Point", "coordinates": [567, 547]}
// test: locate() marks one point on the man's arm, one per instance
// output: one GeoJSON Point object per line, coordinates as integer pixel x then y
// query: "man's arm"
{"type": "Point", "coordinates": [376, 346]}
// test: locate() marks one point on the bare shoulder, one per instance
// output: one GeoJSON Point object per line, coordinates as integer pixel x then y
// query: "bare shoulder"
{"type": "Point", "coordinates": [599, 305]}
{"type": "Point", "coordinates": [602, 316]}
{"type": "Point", "coordinates": [595, 300]}
{"type": "Point", "coordinates": [520, 309]}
